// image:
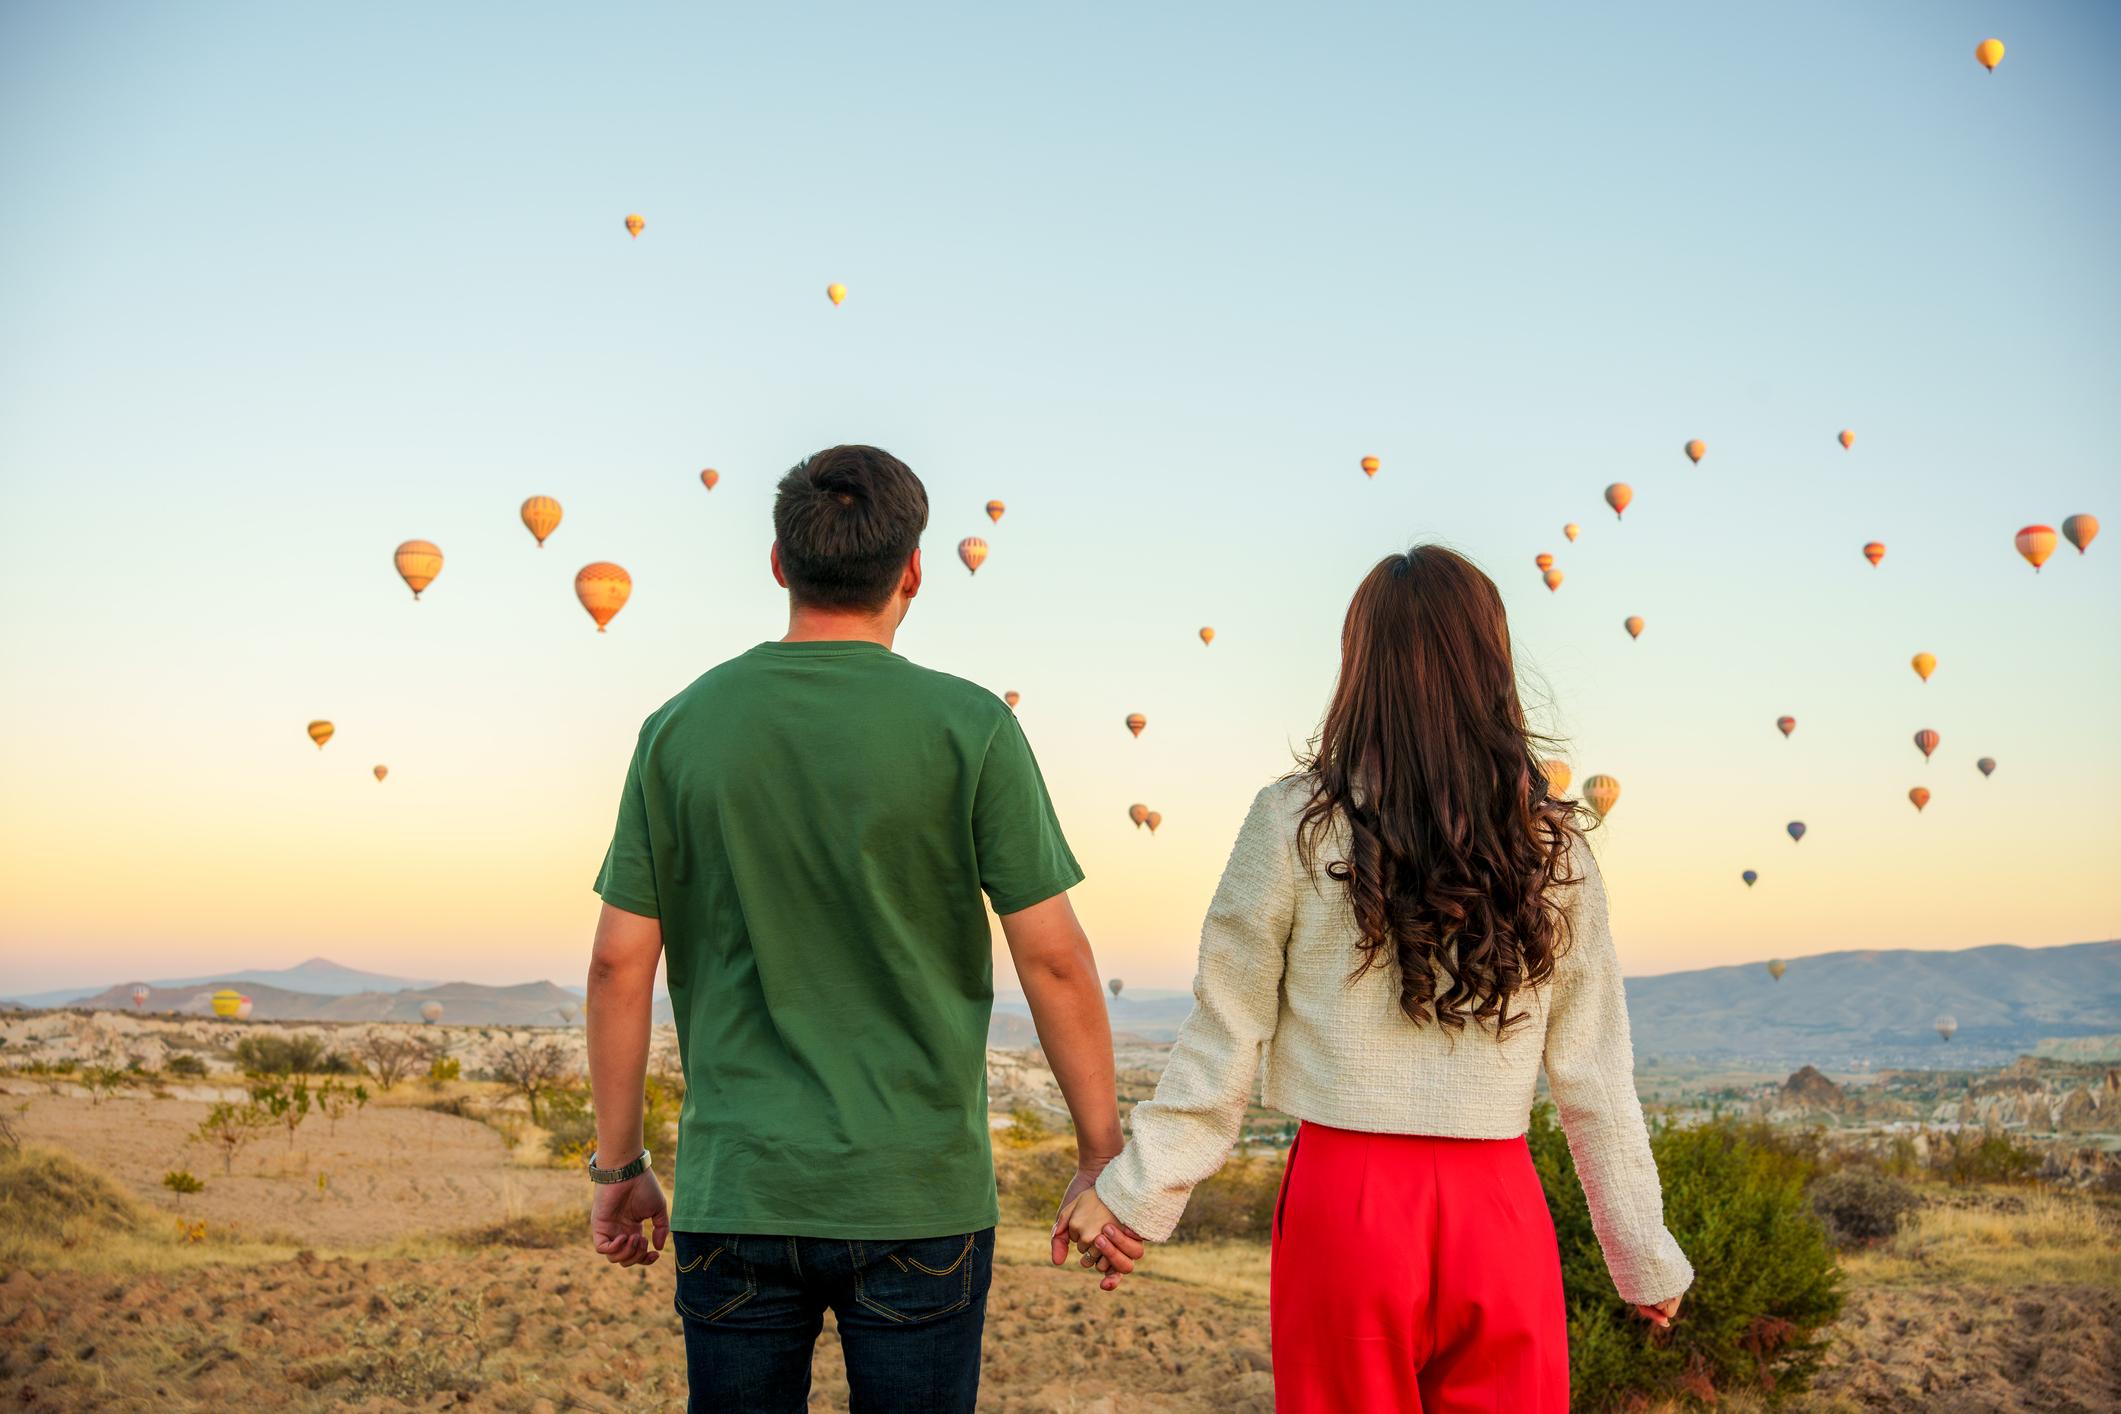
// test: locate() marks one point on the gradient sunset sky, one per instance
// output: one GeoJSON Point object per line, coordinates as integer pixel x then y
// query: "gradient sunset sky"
{"type": "Point", "coordinates": [283, 286]}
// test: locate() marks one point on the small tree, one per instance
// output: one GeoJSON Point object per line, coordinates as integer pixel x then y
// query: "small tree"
{"type": "Point", "coordinates": [102, 1081]}
{"type": "Point", "coordinates": [530, 1067]}
{"type": "Point", "coordinates": [185, 1066]}
{"type": "Point", "coordinates": [443, 1070]}
{"type": "Point", "coordinates": [286, 1103]}
{"type": "Point", "coordinates": [232, 1127]}
{"type": "Point", "coordinates": [335, 1099]}
{"type": "Point", "coordinates": [391, 1055]}
{"type": "Point", "coordinates": [181, 1182]}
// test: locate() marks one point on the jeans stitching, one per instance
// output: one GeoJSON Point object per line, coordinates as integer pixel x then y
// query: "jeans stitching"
{"type": "Point", "coordinates": [964, 1286]}
{"type": "Point", "coordinates": [751, 1287]}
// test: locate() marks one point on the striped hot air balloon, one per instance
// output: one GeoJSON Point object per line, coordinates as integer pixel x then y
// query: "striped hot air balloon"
{"type": "Point", "coordinates": [1370, 466]}
{"type": "Point", "coordinates": [321, 732]}
{"type": "Point", "coordinates": [541, 516]}
{"type": "Point", "coordinates": [2079, 530]}
{"type": "Point", "coordinates": [994, 511]}
{"type": "Point", "coordinates": [1543, 560]}
{"type": "Point", "coordinates": [1135, 722]}
{"type": "Point", "coordinates": [1926, 742]}
{"type": "Point", "coordinates": [973, 551]}
{"type": "Point", "coordinates": [603, 588]}
{"type": "Point", "coordinates": [1558, 776]}
{"type": "Point", "coordinates": [418, 563]}
{"type": "Point", "coordinates": [140, 996]}
{"type": "Point", "coordinates": [1874, 552]}
{"type": "Point", "coordinates": [225, 1003]}
{"type": "Point", "coordinates": [1601, 792]}
{"type": "Point", "coordinates": [2036, 543]}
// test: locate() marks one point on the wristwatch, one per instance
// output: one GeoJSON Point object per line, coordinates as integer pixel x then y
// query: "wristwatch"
{"type": "Point", "coordinates": [618, 1175]}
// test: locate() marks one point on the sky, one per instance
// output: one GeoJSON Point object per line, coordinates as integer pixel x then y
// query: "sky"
{"type": "Point", "coordinates": [281, 287]}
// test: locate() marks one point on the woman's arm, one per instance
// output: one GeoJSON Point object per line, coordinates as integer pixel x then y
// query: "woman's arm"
{"type": "Point", "coordinates": [1590, 1063]}
{"type": "Point", "coordinates": [1185, 1133]}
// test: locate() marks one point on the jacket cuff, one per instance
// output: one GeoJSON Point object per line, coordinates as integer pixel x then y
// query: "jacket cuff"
{"type": "Point", "coordinates": [1125, 1189]}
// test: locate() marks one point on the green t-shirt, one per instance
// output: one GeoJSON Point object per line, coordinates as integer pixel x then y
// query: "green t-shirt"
{"type": "Point", "coordinates": [814, 824]}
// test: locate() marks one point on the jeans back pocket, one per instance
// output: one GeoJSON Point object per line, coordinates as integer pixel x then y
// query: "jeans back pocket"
{"type": "Point", "coordinates": [923, 1278]}
{"type": "Point", "coordinates": [713, 1276]}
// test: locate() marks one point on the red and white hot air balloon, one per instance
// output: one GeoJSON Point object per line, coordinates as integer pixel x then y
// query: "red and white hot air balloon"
{"type": "Point", "coordinates": [2036, 543]}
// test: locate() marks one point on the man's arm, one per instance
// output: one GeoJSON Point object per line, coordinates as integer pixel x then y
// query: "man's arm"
{"type": "Point", "coordinates": [619, 1014]}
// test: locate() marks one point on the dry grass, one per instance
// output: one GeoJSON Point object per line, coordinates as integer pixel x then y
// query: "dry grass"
{"type": "Point", "coordinates": [2007, 1238]}
{"type": "Point", "coordinates": [1235, 1272]}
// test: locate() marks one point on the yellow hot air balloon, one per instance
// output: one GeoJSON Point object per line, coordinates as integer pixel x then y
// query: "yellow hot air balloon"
{"type": "Point", "coordinates": [1776, 967]}
{"type": "Point", "coordinates": [1553, 579]}
{"type": "Point", "coordinates": [2036, 543]}
{"type": "Point", "coordinates": [541, 516]}
{"type": "Point", "coordinates": [1012, 697]}
{"type": "Point", "coordinates": [381, 772]}
{"type": "Point", "coordinates": [994, 511]}
{"type": "Point", "coordinates": [710, 478]}
{"type": "Point", "coordinates": [418, 563]}
{"type": "Point", "coordinates": [225, 1003]}
{"type": "Point", "coordinates": [2079, 530]}
{"type": "Point", "coordinates": [1924, 664]}
{"type": "Point", "coordinates": [603, 589]}
{"type": "Point", "coordinates": [1617, 496]}
{"type": "Point", "coordinates": [1544, 561]}
{"type": "Point", "coordinates": [1370, 466]}
{"type": "Point", "coordinates": [1633, 624]}
{"type": "Point", "coordinates": [320, 732]}
{"type": "Point", "coordinates": [1135, 722]}
{"type": "Point", "coordinates": [1874, 552]}
{"type": "Point", "coordinates": [635, 225]}
{"type": "Point", "coordinates": [1152, 820]}
{"type": "Point", "coordinates": [1207, 636]}
{"type": "Point", "coordinates": [1696, 450]}
{"type": "Point", "coordinates": [1138, 814]}
{"type": "Point", "coordinates": [1558, 776]}
{"type": "Point", "coordinates": [1848, 439]}
{"type": "Point", "coordinates": [1601, 792]}
{"type": "Point", "coordinates": [836, 292]}
{"type": "Point", "coordinates": [1920, 795]}
{"type": "Point", "coordinates": [973, 551]}
{"type": "Point", "coordinates": [1989, 53]}
{"type": "Point", "coordinates": [1572, 530]}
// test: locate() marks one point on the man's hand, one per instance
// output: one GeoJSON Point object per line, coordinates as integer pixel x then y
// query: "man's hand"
{"type": "Point", "coordinates": [1106, 1243]}
{"type": "Point", "coordinates": [616, 1215]}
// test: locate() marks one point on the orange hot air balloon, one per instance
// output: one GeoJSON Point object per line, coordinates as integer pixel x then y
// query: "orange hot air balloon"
{"type": "Point", "coordinates": [1152, 820]}
{"type": "Point", "coordinates": [1617, 496]}
{"type": "Point", "coordinates": [1601, 792]}
{"type": "Point", "coordinates": [2079, 531]}
{"type": "Point", "coordinates": [1927, 741]}
{"type": "Point", "coordinates": [710, 478]}
{"type": "Point", "coordinates": [320, 732]}
{"type": "Point", "coordinates": [1572, 530]}
{"type": "Point", "coordinates": [603, 589]}
{"type": "Point", "coordinates": [1920, 795]}
{"type": "Point", "coordinates": [973, 551]}
{"type": "Point", "coordinates": [1989, 53]}
{"type": "Point", "coordinates": [1370, 466]}
{"type": "Point", "coordinates": [1012, 697]}
{"type": "Point", "coordinates": [541, 516]}
{"type": "Point", "coordinates": [1874, 552]}
{"type": "Point", "coordinates": [1633, 625]}
{"type": "Point", "coordinates": [418, 563]}
{"type": "Point", "coordinates": [1785, 725]}
{"type": "Point", "coordinates": [1544, 561]}
{"type": "Point", "coordinates": [1848, 439]}
{"type": "Point", "coordinates": [1553, 580]}
{"type": "Point", "coordinates": [2036, 543]}
{"type": "Point", "coordinates": [1138, 814]}
{"type": "Point", "coordinates": [1924, 664]}
{"type": "Point", "coordinates": [1696, 450]}
{"type": "Point", "coordinates": [1135, 722]}
{"type": "Point", "coordinates": [1558, 776]}
{"type": "Point", "coordinates": [994, 511]}
{"type": "Point", "coordinates": [1207, 636]}
{"type": "Point", "coordinates": [381, 772]}
{"type": "Point", "coordinates": [836, 292]}
{"type": "Point", "coordinates": [635, 225]}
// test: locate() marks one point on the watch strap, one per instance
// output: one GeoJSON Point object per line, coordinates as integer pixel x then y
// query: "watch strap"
{"type": "Point", "coordinates": [620, 1174]}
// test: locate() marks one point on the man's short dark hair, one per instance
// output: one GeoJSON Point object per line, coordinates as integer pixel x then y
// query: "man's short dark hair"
{"type": "Point", "coordinates": [848, 519]}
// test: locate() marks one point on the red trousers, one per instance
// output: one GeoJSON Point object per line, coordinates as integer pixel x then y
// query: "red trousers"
{"type": "Point", "coordinates": [1414, 1273]}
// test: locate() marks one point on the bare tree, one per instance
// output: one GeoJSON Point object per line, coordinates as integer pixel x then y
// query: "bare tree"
{"type": "Point", "coordinates": [391, 1056]}
{"type": "Point", "coordinates": [530, 1067]}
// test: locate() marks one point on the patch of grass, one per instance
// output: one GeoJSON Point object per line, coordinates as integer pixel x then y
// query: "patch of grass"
{"type": "Point", "coordinates": [562, 1227]}
{"type": "Point", "coordinates": [2012, 1238]}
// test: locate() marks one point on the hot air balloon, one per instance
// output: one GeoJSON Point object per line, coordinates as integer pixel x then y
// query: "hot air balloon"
{"type": "Point", "coordinates": [1751, 877]}
{"type": "Point", "coordinates": [1207, 636]}
{"type": "Point", "coordinates": [1572, 530]}
{"type": "Point", "coordinates": [1114, 986]}
{"type": "Point", "coordinates": [1553, 580]}
{"type": "Point", "coordinates": [381, 772]}
{"type": "Point", "coordinates": [1986, 765]}
{"type": "Point", "coordinates": [568, 1012]}
{"type": "Point", "coordinates": [1558, 776]}
{"type": "Point", "coordinates": [1988, 53]}
{"type": "Point", "coordinates": [1617, 496]}
{"type": "Point", "coordinates": [1874, 552]}
{"type": "Point", "coordinates": [1695, 450]}
{"type": "Point", "coordinates": [635, 225]}
{"type": "Point", "coordinates": [603, 588]}
{"type": "Point", "coordinates": [1848, 439]}
{"type": "Point", "coordinates": [1135, 722]}
{"type": "Point", "coordinates": [1633, 624]}
{"type": "Point", "coordinates": [973, 551]}
{"type": "Point", "coordinates": [1137, 813]}
{"type": "Point", "coordinates": [430, 1012]}
{"type": "Point", "coordinates": [140, 996]}
{"type": "Point", "coordinates": [1920, 795]}
{"type": "Point", "coordinates": [710, 478]}
{"type": "Point", "coordinates": [1152, 820]}
{"type": "Point", "coordinates": [2079, 531]}
{"type": "Point", "coordinates": [994, 511]}
{"type": "Point", "coordinates": [1926, 742]}
{"type": "Point", "coordinates": [1601, 792]}
{"type": "Point", "coordinates": [2036, 543]}
{"type": "Point", "coordinates": [418, 563]}
{"type": "Point", "coordinates": [1796, 829]}
{"type": "Point", "coordinates": [1776, 967]}
{"type": "Point", "coordinates": [225, 1003]}
{"type": "Point", "coordinates": [320, 732]}
{"type": "Point", "coordinates": [1012, 697]}
{"type": "Point", "coordinates": [1370, 465]}
{"type": "Point", "coordinates": [541, 516]}
{"type": "Point", "coordinates": [1946, 1026]}
{"type": "Point", "coordinates": [1785, 725]}
{"type": "Point", "coordinates": [1543, 560]}
{"type": "Point", "coordinates": [836, 292]}
{"type": "Point", "coordinates": [243, 1006]}
{"type": "Point", "coordinates": [1924, 664]}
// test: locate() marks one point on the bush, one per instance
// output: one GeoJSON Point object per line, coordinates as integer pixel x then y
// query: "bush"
{"type": "Point", "coordinates": [1031, 1181]}
{"type": "Point", "coordinates": [267, 1054]}
{"type": "Point", "coordinates": [1236, 1201]}
{"type": "Point", "coordinates": [1966, 1157]}
{"type": "Point", "coordinates": [442, 1070]}
{"type": "Point", "coordinates": [181, 1182]}
{"type": "Point", "coordinates": [1861, 1205]}
{"type": "Point", "coordinates": [1026, 1128]}
{"type": "Point", "coordinates": [185, 1066]}
{"type": "Point", "coordinates": [1765, 1280]}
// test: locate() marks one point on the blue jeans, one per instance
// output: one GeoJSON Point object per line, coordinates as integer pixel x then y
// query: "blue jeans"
{"type": "Point", "coordinates": [910, 1315]}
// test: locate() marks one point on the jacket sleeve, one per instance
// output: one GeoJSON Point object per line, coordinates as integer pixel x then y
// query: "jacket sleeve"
{"type": "Point", "coordinates": [1185, 1133]}
{"type": "Point", "coordinates": [1590, 1066]}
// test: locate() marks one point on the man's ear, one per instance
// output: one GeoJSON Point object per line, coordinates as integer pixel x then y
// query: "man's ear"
{"type": "Point", "coordinates": [910, 583]}
{"type": "Point", "coordinates": [773, 557]}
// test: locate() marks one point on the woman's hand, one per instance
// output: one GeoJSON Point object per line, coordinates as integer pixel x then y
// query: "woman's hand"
{"type": "Point", "coordinates": [1662, 1314]}
{"type": "Point", "coordinates": [1107, 1244]}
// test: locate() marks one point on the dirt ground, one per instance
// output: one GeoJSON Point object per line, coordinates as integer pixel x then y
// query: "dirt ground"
{"type": "Point", "coordinates": [1960, 1349]}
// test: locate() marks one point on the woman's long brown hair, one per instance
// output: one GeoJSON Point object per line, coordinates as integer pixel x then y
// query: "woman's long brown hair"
{"type": "Point", "coordinates": [1455, 850]}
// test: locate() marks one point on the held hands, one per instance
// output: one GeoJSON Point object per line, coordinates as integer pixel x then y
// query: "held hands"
{"type": "Point", "coordinates": [1107, 1244]}
{"type": "Point", "coordinates": [616, 1213]}
{"type": "Point", "coordinates": [1662, 1314]}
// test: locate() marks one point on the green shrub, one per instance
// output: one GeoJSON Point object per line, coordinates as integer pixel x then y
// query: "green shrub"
{"type": "Point", "coordinates": [267, 1054]}
{"type": "Point", "coordinates": [442, 1070]}
{"type": "Point", "coordinates": [1026, 1127]}
{"type": "Point", "coordinates": [1236, 1201]}
{"type": "Point", "coordinates": [1861, 1205]}
{"type": "Point", "coordinates": [1968, 1157]}
{"type": "Point", "coordinates": [1765, 1280]}
{"type": "Point", "coordinates": [181, 1182]}
{"type": "Point", "coordinates": [185, 1066]}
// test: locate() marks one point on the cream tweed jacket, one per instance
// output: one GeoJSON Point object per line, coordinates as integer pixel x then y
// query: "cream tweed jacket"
{"type": "Point", "coordinates": [1275, 956]}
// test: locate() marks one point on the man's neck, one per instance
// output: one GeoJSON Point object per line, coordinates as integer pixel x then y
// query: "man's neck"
{"type": "Point", "coordinates": [826, 626]}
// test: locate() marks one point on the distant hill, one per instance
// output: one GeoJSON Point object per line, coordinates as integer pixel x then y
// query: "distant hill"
{"type": "Point", "coordinates": [463, 1003]}
{"type": "Point", "coordinates": [319, 976]}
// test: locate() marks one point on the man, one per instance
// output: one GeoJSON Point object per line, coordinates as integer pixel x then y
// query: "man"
{"type": "Point", "coordinates": [805, 837]}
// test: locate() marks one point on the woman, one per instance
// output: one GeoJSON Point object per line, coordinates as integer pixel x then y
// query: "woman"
{"type": "Point", "coordinates": [1411, 925]}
